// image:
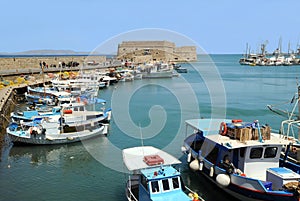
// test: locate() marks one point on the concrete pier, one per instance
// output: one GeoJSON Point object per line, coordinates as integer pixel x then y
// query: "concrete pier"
{"type": "Point", "coordinates": [34, 62]}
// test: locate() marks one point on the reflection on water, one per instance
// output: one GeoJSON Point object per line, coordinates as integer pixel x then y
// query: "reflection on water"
{"type": "Point", "coordinates": [58, 172]}
{"type": "Point", "coordinates": [44, 154]}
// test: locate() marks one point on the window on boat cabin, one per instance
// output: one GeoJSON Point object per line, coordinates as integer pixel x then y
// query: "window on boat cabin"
{"type": "Point", "coordinates": [270, 152]}
{"type": "Point", "coordinates": [256, 152]}
{"type": "Point", "coordinates": [154, 186]}
{"type": "Point", "coordinates": [166, 185]}
{"type": "Point", "coordinates": [144, 182]}
{"type": "Point", "coordinates": [175, 182]}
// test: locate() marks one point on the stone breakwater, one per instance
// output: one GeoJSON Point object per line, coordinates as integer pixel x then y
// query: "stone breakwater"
{"type": "Point", "coordinates": [33, 62]}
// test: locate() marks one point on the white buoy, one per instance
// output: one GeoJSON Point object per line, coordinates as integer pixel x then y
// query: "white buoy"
{"type": "Point", "coordinates": [194, 165]}
{"type": "Point", "coordinates": [189, 157]}
{"type": "Point", "coordinates": [200, 165]}
{"type": "Point", "coordinates": [223, 179]}
{"type": "Point", "coordinates": [211, 172]}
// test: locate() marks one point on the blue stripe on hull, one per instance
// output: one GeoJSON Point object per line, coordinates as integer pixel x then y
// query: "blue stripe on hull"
{"type": "Point", "coordinates": [260, 195]}
{"type": "Point", "coordinates": [243, 193]}
{"type": "Point", "coordinates": [36, 141]}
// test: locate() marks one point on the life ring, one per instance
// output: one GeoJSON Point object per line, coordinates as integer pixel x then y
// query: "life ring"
{"type": "Point", "coordinates": [223, 128]}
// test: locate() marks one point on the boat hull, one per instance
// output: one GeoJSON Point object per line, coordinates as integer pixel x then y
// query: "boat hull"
{"type": "Point", "coordinates": [246, 194]}
{"type": "Point", "coordinates": [240, 187]}
{"type": "Point", "coordinates": [162, 74]}
{"type": "Point", "coordinates": [58, 139]}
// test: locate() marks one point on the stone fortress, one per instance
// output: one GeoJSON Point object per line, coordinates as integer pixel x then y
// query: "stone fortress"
{"type": "Point", "coordinates": [155, 51]}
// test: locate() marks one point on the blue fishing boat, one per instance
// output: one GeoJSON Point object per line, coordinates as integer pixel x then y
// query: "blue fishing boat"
{"type": "Point", "coordinates": [154, 177]}
{"type": "Point", "coordinates": [241, 158]}
{"type": "Point", "coordinates": [46, 95]}
{"type": "Point", "coordinates": [30, 115]}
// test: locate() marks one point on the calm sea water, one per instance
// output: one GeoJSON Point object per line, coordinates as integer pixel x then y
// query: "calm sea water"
{"type": "Point", "coordinates": [148, 112]}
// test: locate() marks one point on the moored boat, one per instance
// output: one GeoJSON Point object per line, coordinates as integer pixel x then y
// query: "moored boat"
{"type": "Point", "coordinates": [181, 70]}
{"type": "Point", "coordinates": [70, 126]}
{"type": "Point", "coordinates": [240, 158]}
{"type": "Point", "coordinates": [30, 115]}
{"type": "Point", "coordinates": [154, 177]}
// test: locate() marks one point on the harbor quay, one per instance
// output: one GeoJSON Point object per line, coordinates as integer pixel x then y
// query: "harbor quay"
{"type": "Point", "coordinates": [19, 63]}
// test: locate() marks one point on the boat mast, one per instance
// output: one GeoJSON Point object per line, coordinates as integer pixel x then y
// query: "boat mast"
{"type": "Point", "coordinates": [279, 47]}
{"type": "Point", "coordinates": [246, 53]}
{"type": "Point", "coordinates": [298, 116]}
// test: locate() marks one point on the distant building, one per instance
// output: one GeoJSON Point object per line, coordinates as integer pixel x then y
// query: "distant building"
{"type": "Point", "coordinates": [149, 51]}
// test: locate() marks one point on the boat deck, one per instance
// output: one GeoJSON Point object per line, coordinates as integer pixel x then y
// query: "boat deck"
{"type": "Point", "coordinates": [210, 129]}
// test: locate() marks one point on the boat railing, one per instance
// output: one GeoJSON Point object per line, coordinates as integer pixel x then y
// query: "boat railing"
{"type": "Point", "coordinates": [131, 195]}
{"type": "Point", "coordinates": [287, 128]}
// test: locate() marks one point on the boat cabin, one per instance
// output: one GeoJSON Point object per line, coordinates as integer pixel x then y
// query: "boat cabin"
{"type": "Point", "coordinates": [160, 181]}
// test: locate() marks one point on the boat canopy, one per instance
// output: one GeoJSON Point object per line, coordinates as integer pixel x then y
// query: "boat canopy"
{"type": "Point", "coordinates": [207, 126]}
{"type": "Point", "coordinates": [134, 157]}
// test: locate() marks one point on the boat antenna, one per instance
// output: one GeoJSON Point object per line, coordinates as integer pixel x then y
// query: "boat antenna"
{"type": "Point", "coordinates": [142, 140]}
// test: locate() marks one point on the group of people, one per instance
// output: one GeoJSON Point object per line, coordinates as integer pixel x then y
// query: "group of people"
{"type": "Point", "coordinates": [43, 64]}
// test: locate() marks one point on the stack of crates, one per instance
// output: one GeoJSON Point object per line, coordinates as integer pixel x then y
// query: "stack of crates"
{"type": "Point", "coordinates": [243, 131]}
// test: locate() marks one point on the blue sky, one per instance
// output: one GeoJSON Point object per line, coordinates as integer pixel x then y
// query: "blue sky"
{"type": "Point", "coordinates": [218, 26]}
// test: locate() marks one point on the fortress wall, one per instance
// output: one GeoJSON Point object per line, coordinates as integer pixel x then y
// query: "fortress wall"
{"type": "Point", "coordinates": [187, 53]}
{"type": "Point", "coordinates": [131, 46]}
{"type": "Point", "coordinates": [160, 51]}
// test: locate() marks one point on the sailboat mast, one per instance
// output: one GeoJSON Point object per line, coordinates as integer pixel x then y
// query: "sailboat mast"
{"type": "Point", "coordinates": [246, 55]}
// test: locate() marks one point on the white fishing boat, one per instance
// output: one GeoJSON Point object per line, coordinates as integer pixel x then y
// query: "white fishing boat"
{"type": "Point", "coordinates": [69, 126]}
{"type": "Point", "coordinates": [153, 176]}
{"type": "Point", "coordinates": [157, 70]}
{"type": "Point", "coordinates": [240, 158]}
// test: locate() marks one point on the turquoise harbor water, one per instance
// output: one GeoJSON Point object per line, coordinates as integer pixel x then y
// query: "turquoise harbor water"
{"type": "Point", "coordinates": [152, 110]}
